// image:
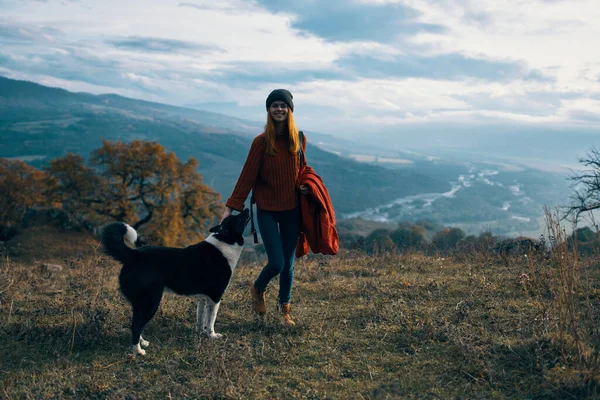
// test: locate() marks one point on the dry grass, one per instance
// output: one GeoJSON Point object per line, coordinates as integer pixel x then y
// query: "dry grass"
{"type": "Point", "coordinates": [386, 327]}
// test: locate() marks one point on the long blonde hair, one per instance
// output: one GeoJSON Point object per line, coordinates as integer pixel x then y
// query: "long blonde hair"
{"type": "Point", "coordinates": [270, 135]}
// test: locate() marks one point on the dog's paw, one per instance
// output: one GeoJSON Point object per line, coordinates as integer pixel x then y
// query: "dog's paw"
{"type": "Point", "coordinates": [214, 335]}
{"type": "Point", "coordinates": [137, 349]}
{"type": "Point", "coordinates": [144, 343]}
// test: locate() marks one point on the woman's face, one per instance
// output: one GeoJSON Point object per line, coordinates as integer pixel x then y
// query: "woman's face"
{"type": "Point", "coordinates": [278, 111]}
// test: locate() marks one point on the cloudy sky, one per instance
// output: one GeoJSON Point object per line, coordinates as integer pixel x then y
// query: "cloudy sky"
{"type": "Point", "coordinates": [353, 65]}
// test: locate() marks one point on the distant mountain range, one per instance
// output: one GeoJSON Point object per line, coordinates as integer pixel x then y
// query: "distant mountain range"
{"type": "Point", "coordinates": [373, 181]}
{"type": "Point", "coordinates": [38, 123]}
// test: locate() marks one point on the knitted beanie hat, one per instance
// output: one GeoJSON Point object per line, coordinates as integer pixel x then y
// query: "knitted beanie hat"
{"type": "Point", "coordinates": [280, 95]}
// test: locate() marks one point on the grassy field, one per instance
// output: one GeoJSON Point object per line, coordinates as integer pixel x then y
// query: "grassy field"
{"type": "Point", "coordinates": [369, 327]}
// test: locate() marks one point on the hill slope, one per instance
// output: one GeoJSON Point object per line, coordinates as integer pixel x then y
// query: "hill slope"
{"type": "Point", "coordinates": [38, 123]}
{"type": "Point", "coordinates": [388, 327]}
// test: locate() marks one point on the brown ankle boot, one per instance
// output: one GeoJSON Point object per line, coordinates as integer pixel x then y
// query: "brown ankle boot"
{"type": "Point", "coordinates": [258, 301]}
{"type": "Point", "coordinates": [286, 318]}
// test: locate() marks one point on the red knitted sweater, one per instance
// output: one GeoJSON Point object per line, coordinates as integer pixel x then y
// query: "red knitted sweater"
{"type": "Point", "coordinates": [273, 178]}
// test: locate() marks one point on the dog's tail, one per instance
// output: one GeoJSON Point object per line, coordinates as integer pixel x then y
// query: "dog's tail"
{"type": "Point", "coordinates": [113, 238]}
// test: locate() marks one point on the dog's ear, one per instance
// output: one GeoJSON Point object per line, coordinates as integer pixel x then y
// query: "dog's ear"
{"type": "Point", "coordinates": [215, 229]}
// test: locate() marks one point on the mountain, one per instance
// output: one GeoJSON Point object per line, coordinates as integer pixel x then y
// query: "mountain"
{"type": "Point", "coordinates": [38, 123]}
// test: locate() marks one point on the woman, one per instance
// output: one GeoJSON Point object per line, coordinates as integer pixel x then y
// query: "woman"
{"type": "Point", "coordinates": [271, 170]}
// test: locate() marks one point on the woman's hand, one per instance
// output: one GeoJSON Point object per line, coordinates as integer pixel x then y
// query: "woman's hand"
{"type": "Point", "coordinates": [227, 213]}
{"type": "Point", "coordinates": [304, 189]}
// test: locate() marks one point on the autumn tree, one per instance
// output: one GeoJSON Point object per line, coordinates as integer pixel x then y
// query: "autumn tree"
{"type": "Point", "coordinates": [75, 188]}
{"type": "Point", "coordinates": [22, 188]}
{"type": "Point", "coordinates": [153, 191]}
{"type": "Point", "coordinates": [139, 183]}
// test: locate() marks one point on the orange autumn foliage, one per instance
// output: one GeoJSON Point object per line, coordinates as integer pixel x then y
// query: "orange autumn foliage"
{"type": "Point", "coordinates": [140, 183]}
{"type": "Point", "coordinates": [22, 188]}
{"type": "Point", "coordinates": [153, 191]}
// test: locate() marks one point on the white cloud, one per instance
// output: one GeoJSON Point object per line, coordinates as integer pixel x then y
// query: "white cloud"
{"type": "Point", "coordinates": [371, 103]}
{"type": "Point", "coordinates": [253, 35]}
{"type": "Point", "coordinates": [555, 39]}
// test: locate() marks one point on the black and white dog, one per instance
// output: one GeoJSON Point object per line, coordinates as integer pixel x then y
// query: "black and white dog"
{"type": "Point", "coordinates": [202, 270]}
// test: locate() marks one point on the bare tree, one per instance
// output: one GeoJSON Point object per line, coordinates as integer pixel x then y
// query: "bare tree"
{"type": "Point", "coordinates": [586, 187]}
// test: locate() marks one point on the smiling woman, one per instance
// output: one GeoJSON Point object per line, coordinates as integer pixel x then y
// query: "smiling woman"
{"type": "Point", "coordinates": [271, 170]}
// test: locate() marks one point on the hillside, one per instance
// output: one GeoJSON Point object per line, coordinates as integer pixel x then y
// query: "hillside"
{"type": "Point", "coordinates": [38, 123]}
{"type": "Point", "coordinates": [377, 327]}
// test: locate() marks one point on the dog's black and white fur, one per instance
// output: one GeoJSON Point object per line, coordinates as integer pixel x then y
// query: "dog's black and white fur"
{"type": "Point", "coordinates": [202, 270]}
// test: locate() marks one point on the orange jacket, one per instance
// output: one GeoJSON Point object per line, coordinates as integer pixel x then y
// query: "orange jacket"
{"type": "Point", "coordinates": [318, 218]}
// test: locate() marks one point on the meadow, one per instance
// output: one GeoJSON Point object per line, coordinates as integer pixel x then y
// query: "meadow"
{"type": "Point", "coordinates": [386, 326]}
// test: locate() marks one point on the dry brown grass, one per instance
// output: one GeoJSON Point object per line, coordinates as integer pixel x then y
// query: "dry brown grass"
{"type": "Point", "coordinates": [385, 327]}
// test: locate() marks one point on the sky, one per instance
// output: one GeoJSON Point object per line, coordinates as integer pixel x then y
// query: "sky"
{"type": "Point", "coordinates": [355, 67]}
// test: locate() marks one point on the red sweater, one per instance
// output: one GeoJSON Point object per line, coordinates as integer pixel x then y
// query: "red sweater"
{"type": "Point", "coordinates": [273, 178]}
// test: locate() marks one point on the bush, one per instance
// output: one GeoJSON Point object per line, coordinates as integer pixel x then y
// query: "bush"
{"type": "Point", "coordinates": [447, 238]}
{"type": "Point", "coordinates": [410, 237]}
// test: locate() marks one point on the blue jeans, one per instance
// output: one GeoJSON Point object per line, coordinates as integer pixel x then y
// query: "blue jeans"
{"type": "Point", "coordinates": [279, 231]}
